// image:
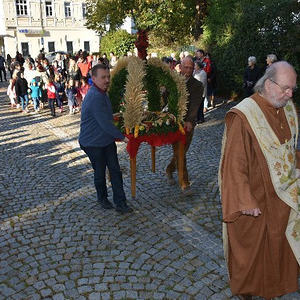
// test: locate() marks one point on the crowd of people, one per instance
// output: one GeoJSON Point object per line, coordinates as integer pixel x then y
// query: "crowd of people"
{"type": "Point", "coordinates": [34, 80]}
{"type": "Point", "coordinates": [64, 80]}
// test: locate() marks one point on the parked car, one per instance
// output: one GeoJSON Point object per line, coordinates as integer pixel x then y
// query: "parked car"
{"type": "Point", "coordinates": [51, 55]}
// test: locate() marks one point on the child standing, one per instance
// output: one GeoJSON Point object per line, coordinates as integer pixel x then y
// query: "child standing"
{"type": "Point", "coordinates": [71, 92]}
{"type": "Point", "coordinates": [36, 94]}
{"type": "Point", "coordinates": [42, 80]}
{"type": "Point", "coordinates": [60, 91]}
{"type": "Point", "coordinates": [78, 96]}
{"type": "Point", "coordinates": [11, 93]}
{"type": "Point", "coordinates": [51, 96]}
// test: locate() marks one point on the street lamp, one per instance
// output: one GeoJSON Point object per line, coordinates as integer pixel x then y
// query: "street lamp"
{"type": "Point", "coordinates": [107, 24]}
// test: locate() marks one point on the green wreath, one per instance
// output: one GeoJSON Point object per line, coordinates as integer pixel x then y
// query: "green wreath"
{"type": "Point", "coordinates": [154, 76]}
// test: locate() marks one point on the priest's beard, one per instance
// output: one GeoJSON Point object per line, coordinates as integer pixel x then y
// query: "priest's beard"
{"type": "Point", "coordinates": [278, 101]}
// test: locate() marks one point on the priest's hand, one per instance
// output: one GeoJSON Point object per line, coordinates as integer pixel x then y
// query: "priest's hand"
{"type": "Point", "coordinates": [255, 212]}
{"type": "Point", "coordinates": [188, 126]}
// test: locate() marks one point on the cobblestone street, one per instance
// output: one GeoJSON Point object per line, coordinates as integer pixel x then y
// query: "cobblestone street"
{"type": "Point", "coordinates": [57, 243]}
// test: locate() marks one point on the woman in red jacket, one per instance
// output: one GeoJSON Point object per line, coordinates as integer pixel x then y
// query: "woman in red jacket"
{"type": "Point", "coordinates": [51, 96]}
{"type": "Point", "coordinates": [84, 64]}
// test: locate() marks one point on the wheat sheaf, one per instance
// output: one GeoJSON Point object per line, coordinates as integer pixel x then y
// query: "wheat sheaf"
{"type": "Point", "coordinates": [134, 95]}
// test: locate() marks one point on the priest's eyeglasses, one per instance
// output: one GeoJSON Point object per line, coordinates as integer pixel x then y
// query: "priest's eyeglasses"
{"type": "Point", "coordinates": [285, 89]}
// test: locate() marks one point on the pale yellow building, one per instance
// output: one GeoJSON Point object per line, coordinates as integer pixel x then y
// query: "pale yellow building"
{"type": "Point", "coordinates": [55, 25]}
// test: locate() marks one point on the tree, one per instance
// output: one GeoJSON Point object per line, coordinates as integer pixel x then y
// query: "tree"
{"type": "Point", "coordinates": [237, 29]}
{"type": "Point", "coordinates": [172, 20]}
{"type": "Point", "coordinates": [119, 42]}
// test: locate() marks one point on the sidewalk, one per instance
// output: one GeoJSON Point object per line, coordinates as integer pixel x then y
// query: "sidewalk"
{"type": "Point", "coordinates": [57, 243]}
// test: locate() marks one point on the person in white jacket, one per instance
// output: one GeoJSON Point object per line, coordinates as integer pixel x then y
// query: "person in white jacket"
{"type": "Point", "coordinates": [29, 72]}
{"type": "Point", "coordinates": [201, 76]}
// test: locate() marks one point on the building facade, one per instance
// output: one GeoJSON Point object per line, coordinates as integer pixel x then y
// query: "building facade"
{"type": "Point", "coordinates": [55, 25]}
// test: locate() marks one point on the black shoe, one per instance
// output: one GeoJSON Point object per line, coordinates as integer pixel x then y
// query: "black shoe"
{"type": "Point", "coordinates": [124, 209]}
{"type": "Point", "coordinates": [106, 204]}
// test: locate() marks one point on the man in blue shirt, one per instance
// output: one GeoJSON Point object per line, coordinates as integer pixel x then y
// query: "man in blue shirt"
{"type": "Point", "coordinates": [97, 139]}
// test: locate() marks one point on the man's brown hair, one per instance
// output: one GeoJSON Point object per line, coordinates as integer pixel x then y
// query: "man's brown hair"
{"type": "Point", "coordinates": [98, 67]}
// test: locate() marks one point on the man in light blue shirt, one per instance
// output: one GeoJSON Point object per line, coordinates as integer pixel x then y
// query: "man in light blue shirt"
{"type": "Point", "coordinates": [97, 139]}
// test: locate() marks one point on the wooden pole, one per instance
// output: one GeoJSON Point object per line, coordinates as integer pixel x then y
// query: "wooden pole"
{"type": "Point", "coordinates": [180, 163]}
{"type": "Point", "coordinates": [153, 158]}
{"type": "Point", "coordinates": [133, 176]}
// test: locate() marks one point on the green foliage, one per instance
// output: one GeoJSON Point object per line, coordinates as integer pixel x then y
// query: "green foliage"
{"type": "Point", "coordinates": [172, 20]}
{"type": "Point", "coordinates": [154, 79]}
{"type": "Point", "coordinates": [237, 29]}
{"type": "Point", "coordinates": [117, 89]}
{"type": "Point", "coordinates": [156, 45]}
{"type": "Point", "coordinates": [163, 129]}
{"type": "Point", "coordinates": [119, 42]}
{"type": "Point", "coordinates": [151, 84]}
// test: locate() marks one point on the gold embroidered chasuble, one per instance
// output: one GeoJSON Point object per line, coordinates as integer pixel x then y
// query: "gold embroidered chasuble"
{"type": "Point", "coordinates": [280, 164]}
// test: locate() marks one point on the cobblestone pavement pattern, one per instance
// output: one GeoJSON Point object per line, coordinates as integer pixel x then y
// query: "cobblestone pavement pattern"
{"type": "Point", "coordinates": [56, 242]}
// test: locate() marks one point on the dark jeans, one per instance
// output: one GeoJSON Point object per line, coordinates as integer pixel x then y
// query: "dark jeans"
{"type": "Point", "coordinates": [51, 105]}
{"type": "Point", "coordinates": [2, 70]}
{"type": "Point", "coordinates": [102, 157]}
{"type": "Point", "coordinates": [24, 101]}
{"type": "Point", "coordinates": [59, 101]}
{"type": "Point", "coordinates": [200, 114]}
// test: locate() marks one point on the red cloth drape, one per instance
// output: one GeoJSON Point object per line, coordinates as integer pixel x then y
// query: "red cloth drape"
{"type": "Point", "coordinates": [153, 140]}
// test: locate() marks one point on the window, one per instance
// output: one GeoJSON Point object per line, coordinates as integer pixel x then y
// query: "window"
{"type": "Point", "coordinates": [49, 10]}
{"type": "Point", "coordinates": [51, 47]}
{"type": "Point", "coordinates": [83, 10]}
{"type": "Point", "coordinates": [70, 47]}
{"type": "Point", "coordinates": [68, 9]}
{"type": "Point", "coordinates": [86, 46]}
{"type": "Point", "coordinates": [21, 7]}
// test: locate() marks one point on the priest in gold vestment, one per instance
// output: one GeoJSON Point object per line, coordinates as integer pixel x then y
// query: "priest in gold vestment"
{"type": "Point", "coordinates": [258, 180]}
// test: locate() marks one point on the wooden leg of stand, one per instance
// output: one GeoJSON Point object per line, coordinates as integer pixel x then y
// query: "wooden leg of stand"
{"type": "Point", "coordinates": [133, 176]}
{"type": "Point", "coordinates": [180, 163]}
{"type": "Point", "coordinates": [153, 158]}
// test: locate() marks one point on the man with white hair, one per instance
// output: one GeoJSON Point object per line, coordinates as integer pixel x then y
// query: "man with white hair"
{"type": "Point", "coordinates": [260, 188]}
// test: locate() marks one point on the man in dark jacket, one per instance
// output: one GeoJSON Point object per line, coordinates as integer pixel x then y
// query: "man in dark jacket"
{"type": "Point", "coordinates": [97, 139]}
{"type": "Point", "coordinates": [2, 68]}
{"type": "Point", "coordinates": [22, 91]}
{"type": "Point", "coordinates": [195, 99]}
